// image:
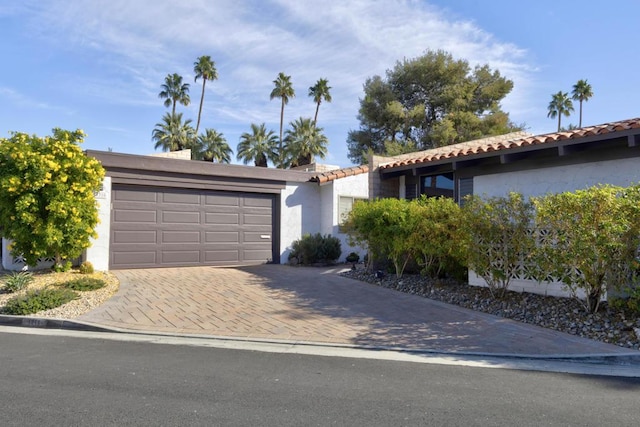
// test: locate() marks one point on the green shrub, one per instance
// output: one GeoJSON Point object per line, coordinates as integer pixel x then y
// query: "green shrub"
{"type": "Point", "coordinates": [62, 266]}
{"type": "Point", "coordinates": [39, 300]}
{"type": "Point", "coordinates": [316, 248]}
{"type": "Point", "coordinates": [17, 281]}
{"type": "Point", "coordinates": [84, 284]}
{"type": "Point", "coordinates": [353, 257]}
{"type": "Point", "coordinates": [501, 240]}
{"type": "Point", "coordinates": [86, 268]}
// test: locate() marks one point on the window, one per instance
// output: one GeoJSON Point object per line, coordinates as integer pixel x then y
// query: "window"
{"type": "Point", "coordinates": [345, 204]}
{"type": "Point", "coordinates": [437, 185]}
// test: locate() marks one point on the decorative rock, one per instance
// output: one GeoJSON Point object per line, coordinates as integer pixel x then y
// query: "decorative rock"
{"type": "Point", "coordinates": [562, 314]}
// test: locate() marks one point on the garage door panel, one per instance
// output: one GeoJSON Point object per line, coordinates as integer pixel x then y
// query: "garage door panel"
{"type": "Point", "coordinates": [257, 219]}
{"type": "Point", "coordinates": [138, 216]}
{"type": "Point", "coordinates": [222, 237]}
{"type": "Point", "coordinates": [222, 218]}
{"type": "Point", "coordinates": [134, 236]}
{"type": "Point", "coordinates": [135, 195]}
{"type": "Point", "coordinates": [257, 255]}
{"type": "Point", "coordinates": [173, 217]}
{"type": "Point", "coordinates": [258, 200]}
{"type": "Point", "coordinates": [185, 198]}
{"type": "Point", "coordinates": [221, 200]}
{"type": "Point", "coordinates": [158, 227]}
{"type": "Point", "coordinates": [252, 236]}
{"type": "Point", "coordinates": [181, 257]}
{"type": "Point", "coordinates": [179, 237]}
{"type": "Point", "coordinates": [138, 258]}
{"type": "Point", "coordinates": [222, 256]}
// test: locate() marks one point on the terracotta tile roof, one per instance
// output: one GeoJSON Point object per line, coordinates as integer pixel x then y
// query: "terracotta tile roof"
{"type": "Point", "coordinates": [339, 173]}
{"type": "Point", "coordinates": [508, 141]}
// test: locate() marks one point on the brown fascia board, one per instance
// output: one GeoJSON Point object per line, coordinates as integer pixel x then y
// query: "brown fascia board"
{"type": "Point", "coordinates": [111, 160]}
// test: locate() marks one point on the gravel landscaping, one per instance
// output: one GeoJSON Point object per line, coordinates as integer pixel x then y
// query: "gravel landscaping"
{"type": "Point", "coordinates": [86, 301]}
{"type": "Point", "coordinates": [562, 314]}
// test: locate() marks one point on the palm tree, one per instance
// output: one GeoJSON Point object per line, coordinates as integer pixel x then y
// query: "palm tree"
{"type": "Point", "coordinates": [174, 91]}
{"type": "Point", "coordinates": [581, 92]}
{"type": "Point", "coordinates": [560, 105]}
{"type": "Point", "coordinates": [206, 68]}
{"type": "Point", "coordinates": [258, 146]}
{"type": "Point", "coordinates": [283, 90]}
{"type": "Point", "coordinates": [319, 92]}
{"type": "Point", "coordinates": [304, 141]}
{"type": "Point", "coordinates": [172, 134]}
{"type": "Point", "coordinates": [211, 146]}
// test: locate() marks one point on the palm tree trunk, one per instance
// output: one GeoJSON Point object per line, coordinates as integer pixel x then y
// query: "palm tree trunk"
{"type": "Point", "coordinates": [280, 157]}
{"type": "Point", "coordinates": [204, 82]}
{"type": "Point", "coordinates": [580, 125]}
{"type": "Point", "coordinates": [559, 117]}
{"type": "Point", "coordinates": [315, 118]}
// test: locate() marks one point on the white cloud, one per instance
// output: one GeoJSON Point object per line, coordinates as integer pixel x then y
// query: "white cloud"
{"type": "Point", "coordinates": [139, 42]}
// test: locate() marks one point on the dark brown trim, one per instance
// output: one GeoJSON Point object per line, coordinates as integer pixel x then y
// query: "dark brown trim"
{"type": "Point", "coordinates": [137, 163]}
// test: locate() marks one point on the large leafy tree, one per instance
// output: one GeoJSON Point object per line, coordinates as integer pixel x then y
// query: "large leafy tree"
{"type": "Point", "coordinates": [429, 101]}
{"type": "Point", "coordinates": [284, 90]}
{"type": "Point", "coordinates": [582, 91]}
{"type": "Point", "coordinates": [204, 68]}
{"type": "Point", "coordinates": [172, 134]}
{"type": "Point", "coordinates": [320, 92]}
{"type": "Point", "coordinates": [174, 91]}
{"type": "Point", "coordinates": [303, 142]}
{"type": "Point", "coordinates": [559, 106]}
{"type": "Point", "coordinates": [259, 146]}
{"type": "Point", "coordinates": [211, 146]}
{"type": "Point", "coordinates": [47, 203]}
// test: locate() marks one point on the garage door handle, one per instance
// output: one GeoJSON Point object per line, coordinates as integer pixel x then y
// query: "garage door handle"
{"type": "Point", "coordinates": [265, 236]}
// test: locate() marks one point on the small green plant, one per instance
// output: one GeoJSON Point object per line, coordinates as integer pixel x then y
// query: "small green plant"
{"type": "Point", "coordinates": [353, 257]}
{"type": "Point", "coordinates": [17, 281]}
{"type": "Point", "coordinates": [61, 267]}
{"type": "Point", "coordinates": [84, 284]}
{"type": "Point", "coordinates": [316, 248]}
{"type": "Point", "coordinates": [39, 300]}
{"type": "Point", "coordinates": [86, 268]}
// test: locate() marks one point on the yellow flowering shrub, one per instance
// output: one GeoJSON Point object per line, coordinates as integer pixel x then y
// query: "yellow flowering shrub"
{"type": "Point", "coordinates": [47, 186]}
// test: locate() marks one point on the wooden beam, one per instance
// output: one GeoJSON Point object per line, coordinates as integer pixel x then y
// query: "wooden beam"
{"type": "Point", "coordinates": [562, 151]}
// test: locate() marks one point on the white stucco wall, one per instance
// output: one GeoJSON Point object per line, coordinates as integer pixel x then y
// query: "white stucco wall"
{"type": "Point", "coordinates": [352, 186]}
{"type": "Point", "coordinates": [98, 253]}
{"type": "Point", "coordinates": [310, 208]}
{"type": "Point", "coordinates": [299, 214]}
{"type": "Point", "coordinates": [538, 182]}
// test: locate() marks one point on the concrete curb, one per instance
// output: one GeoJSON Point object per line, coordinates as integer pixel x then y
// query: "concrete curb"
{"type": "Point", "coordinates": [626, 358]}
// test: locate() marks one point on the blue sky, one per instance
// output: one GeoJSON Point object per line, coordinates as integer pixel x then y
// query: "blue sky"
{"type": "Point", "coordinates": [98, 65]}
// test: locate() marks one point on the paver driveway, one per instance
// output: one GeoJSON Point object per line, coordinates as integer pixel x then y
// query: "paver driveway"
{"type": "Point", "coordinates": [277, 302]}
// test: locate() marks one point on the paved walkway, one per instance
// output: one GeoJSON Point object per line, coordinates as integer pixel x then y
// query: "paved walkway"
{"type": "Point", "coordinates": [276, 302]}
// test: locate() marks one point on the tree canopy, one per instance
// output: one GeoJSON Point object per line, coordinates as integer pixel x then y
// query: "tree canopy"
{"type": "Point", "coordinates": [259, 146]}
{"type": "Point", "coordinates": [47, 202]}
{"type": "Point", "coordinates": [174, 91]}
{"type": "Point", "coordinates": [303, 142]}
{"type": "Point", "coordinates": [429, 101]}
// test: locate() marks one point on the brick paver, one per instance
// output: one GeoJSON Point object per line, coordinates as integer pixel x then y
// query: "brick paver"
{"type": "Point", "coordinates": [316, 304]}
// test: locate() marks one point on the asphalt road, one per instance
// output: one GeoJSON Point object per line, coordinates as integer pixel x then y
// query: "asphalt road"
{"type": "Point", "coordinates": [66, 380]}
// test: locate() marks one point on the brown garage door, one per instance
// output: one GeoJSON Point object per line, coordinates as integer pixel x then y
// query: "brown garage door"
{"type": "Point", "coordinates": [159, 227]}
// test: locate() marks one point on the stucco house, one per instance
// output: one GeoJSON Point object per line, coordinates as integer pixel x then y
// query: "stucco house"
{"type": "Point", "coordinates": [165, 211]}
{"type": "Point", "coordinates": [533, 165]}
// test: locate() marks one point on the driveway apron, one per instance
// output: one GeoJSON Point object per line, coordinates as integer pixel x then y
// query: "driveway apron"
{"type": "Point", "coordinates": [277, 302]}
